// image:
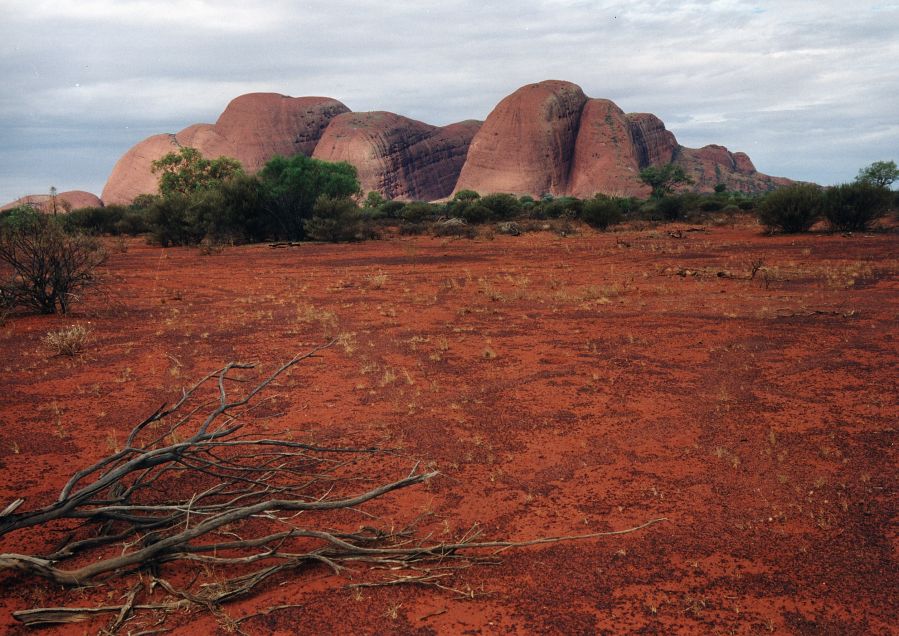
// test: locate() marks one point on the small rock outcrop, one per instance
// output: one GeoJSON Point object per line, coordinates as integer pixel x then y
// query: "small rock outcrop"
{"type": "Point", "coordinates": [710, 165]}
{"type": "Point", "coordinates": [526, 145]}
{"type": "Point", "coordinates": [252, 129]}
{"type": "Point", "coordinates": [65, 201]}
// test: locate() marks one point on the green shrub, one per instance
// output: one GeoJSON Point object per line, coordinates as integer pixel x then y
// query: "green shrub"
{"type": "Point", "coordinates": [473, 212]}
{"type": "Point", "coordinates": [94, 220]}
{"type": "Point", "coordinates": [561, 208]}
{"type": "Point", "coordinates": [393, 209]}
{"type": "Point", "coordinates": [601, 212]}
{"type": "Point", "coordinates": [335, 220]}
{"type": "Point", "coordinates": [466, 195]}
{"type": "Point", "coordinates": [852, 207]}
{"type": "Point", "coordinates": [746, 205]}
{"type": "Point", "coordinates": [711, 205]}
{"type": "Point", "coordinates": [670, 208]}
{"type": "Point", "coordinates": [418, 211]}
{"type": "Point", "coordinates": [501, 206]}
{"type": "Point", "coordinates": [792, 209]}
{"type": "Point", "coordinates": [170, 222]}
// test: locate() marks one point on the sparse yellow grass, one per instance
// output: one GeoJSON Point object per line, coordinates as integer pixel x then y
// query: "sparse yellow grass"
{"type": "Point", "coordinates": [69, 341]}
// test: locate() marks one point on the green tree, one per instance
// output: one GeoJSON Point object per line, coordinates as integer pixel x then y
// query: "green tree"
{"type": "Point", "coordinates": [293, 185]}
{"type": "Point", "coordinates": [663, 179]}
{"type": "Point", "coordinates": [187, 171]}
{"type": "Point", "coordinates": [852, 207]}
{"type": "Point", "coordinates": [879, 173]}
{"type": "Point", "coordinates": [792, 209]}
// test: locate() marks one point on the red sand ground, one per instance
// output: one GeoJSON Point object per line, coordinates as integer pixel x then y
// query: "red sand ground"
{"type": "Point", "coordinates": [561, 385]}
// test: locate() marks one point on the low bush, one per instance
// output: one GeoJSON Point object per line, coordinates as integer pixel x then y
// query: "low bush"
{"type": "Point", "coordinates": [43, 267]}
{"type": "Point", "coordinates": [336, 219]}
{"type": "Point", "coordinates": [792, 209]}
{"type": "Point", "coordinates": [670, 208]}
{"type": "Point", "coordinates": [852, 207]}
{"type": "Point", "coordinates": [95, 220]}
{"type": "Point", "coordinates": [601, 212]}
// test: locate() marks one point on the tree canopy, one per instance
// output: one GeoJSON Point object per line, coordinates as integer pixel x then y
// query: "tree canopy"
{"type": "Point", "coordinates": [879, 173]}
{"type": "Point", "coordinates": [663, 179]}
{"type": "Point", "coordinates": [187, 171]}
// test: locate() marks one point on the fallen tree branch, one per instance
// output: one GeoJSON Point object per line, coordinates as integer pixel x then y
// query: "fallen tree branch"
{"type": "Point", "coordinates": [193, 487]}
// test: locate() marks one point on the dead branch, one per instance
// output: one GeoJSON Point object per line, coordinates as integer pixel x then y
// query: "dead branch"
{"type": "Point", "coordinates": [194, 486]}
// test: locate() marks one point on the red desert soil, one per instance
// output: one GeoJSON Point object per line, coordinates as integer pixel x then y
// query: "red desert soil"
{"type": "Point", "coordinates": [561, 385]}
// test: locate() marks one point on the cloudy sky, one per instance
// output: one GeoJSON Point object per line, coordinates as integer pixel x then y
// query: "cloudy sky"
{"type": "Point", "coordinates": [810, 90]}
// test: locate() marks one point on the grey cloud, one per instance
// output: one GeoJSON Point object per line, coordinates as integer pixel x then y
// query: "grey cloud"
{"type": "Point", "coordinates": [808, 90]}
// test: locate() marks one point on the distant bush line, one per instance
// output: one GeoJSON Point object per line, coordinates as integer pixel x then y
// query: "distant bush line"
{"type": "Point", "coordinates": [303, 199]}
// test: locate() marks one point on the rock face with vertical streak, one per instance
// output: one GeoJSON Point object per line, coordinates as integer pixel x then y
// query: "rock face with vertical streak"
{"type": "Point", "coordinates": [399, 157]}
{"type": "Point", "coordinates": [526, 145]}
{"type": "Point", "coordinates": [252, 129]}
{"type": "Point", "coordinates": [606, 157]}
{"type": "Point", "coordinates": [655, 145]}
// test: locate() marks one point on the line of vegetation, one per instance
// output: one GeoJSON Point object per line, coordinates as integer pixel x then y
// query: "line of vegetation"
{"type": "Point", "coordinates": [46, 261]}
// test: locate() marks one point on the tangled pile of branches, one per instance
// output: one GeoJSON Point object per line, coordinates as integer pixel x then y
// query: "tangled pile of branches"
{"type": "Point", "coordinates": [194, 485]}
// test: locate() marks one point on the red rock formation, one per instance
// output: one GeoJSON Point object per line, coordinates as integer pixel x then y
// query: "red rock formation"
{"type": "Point", "coordinates": [253, 129]}
{"type": "Point", "coordinates": [605, 155]}
{"type": "Point", "coordinates": [655, 144]}
{"type": "Point", "coordinates": [526, 144]}
{"type": "Point", "coordinates": [710, 165]}
{"type": "Point", "coordinates": [65, 201]}
{"type": "Point", "coordinates": [262, 125]}
{"type": "Point", "coordinates": [399, 157]}
{"type": "Point", "coordinates": [543, 138]}
{"type": "Point", "coordinates": [132, 174]}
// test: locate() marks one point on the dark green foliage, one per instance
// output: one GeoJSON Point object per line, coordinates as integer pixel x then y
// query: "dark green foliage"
{"type": "Point", "coordinates": [336, 219]}
{"type": "Point", "coordinates": [293, 185]}
{"type": "Point", "coordinates": [472, 212]}
{"type": "Point", "coordinates": [238, 210]}
{"type": "Point", "coordinates": [18, 217]}
{"type": "Point", "coordinates": [792, 209]}
{"type": "Point", "coordinates": [392, 209]}
{"type": "Point", "coordinates": [466, 195]}
{"type": "Point", "coordinates": [373, 201]}
{"type": "Point", "coordinates": [171, 222]}
{"type": "Point", "coordinates": [43, 267]}
{"type": "Point", "coordinates": [720, 188]}
{"type": "Point", "coordinates": [418, 211]}
{"type": "Point", "coordinates": [502, 206]}
{"type": "Point", "coordinates": [711, 205]}
{"type": "Point", "coordinates": [558, 208]}
{"type": "Point", "coordinates": [879, 173]}
{"type": "Point", "coordinates": [747, 204]}
{"type": "Point", "coordinates": [852, 207]}
{"type": "Point", "coordinates": [663, 179]}
{"type": "Point", "coordinates": [601, 212]}
{"type": "Point", "coordinates": [95, 220]}
{"type": "Point", "coordinates": [671, 208]}
{"type": "Point", "coordinates": [187, 171]}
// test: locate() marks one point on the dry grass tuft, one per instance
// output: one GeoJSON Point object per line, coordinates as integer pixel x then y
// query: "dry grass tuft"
{"type": "Point", "coordinates": [69, 341]}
